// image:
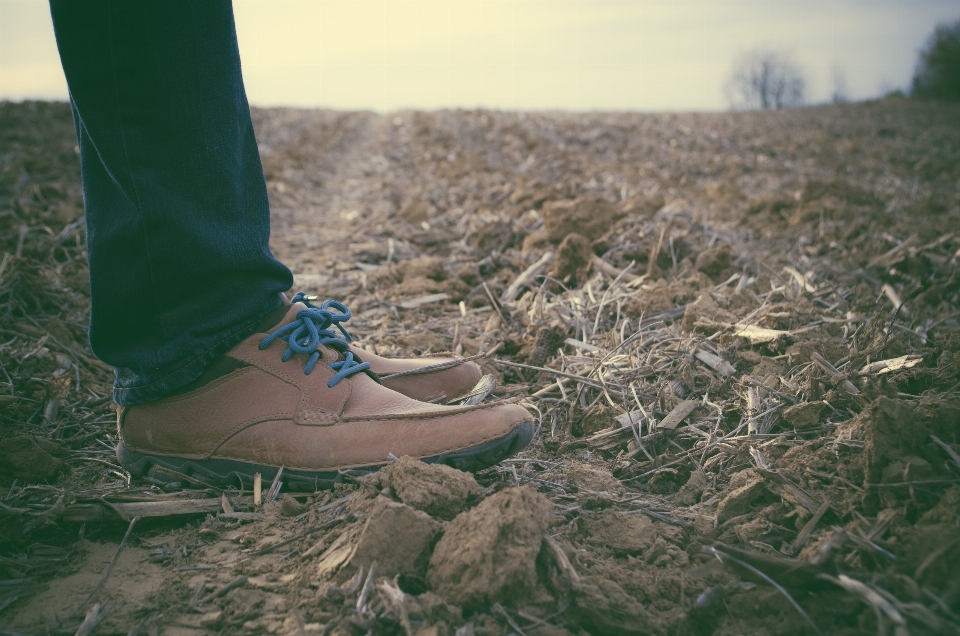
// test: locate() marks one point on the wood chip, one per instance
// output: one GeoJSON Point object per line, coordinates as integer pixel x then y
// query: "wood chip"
{"type": "Point", "coordinates": [172, 508]}
{"type": "Point", "coordinates": [525, 277]}
{"type": "Point", "coordinates": [413, 303]}
{"type": "Point", "coordinates": [91, 620]}
{"type": "Point", "coordinates": [893, 364]}
{"type": "Point", "coordinates": [796, 491]}
{"type": "Point", "coordinates": [801, 279]}
{"type": "Point", "coordinates": [232, 585]}
{"type": "Point", "coordinates": [564, 563]}
{"type": "Point", "coordinates": [631, 419]}
{"type": "Point", "coordinates": [678, 414]}
{"type": "Point", "coordinates": [612, 271]}
{"type": "Point", "coordinates": [808, 527]}
{"type": "Point", "coordinates": [242, 516]}
{"type": "Point", "coordinates": [715, 362]}
{"type": "Point", "coordinates": [893, 256]}
{"type": "Point", "coordinates": [894, 298]}
{"type": "Point", "coordinates": [834, 374]}
{"type": "Point", "coordinates": [583, 345]}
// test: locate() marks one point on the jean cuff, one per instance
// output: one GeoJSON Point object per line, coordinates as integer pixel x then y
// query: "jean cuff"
{"type": "Point", "coordinates": [131, 387]}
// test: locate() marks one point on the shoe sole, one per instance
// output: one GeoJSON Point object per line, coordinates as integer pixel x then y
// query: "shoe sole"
{"type": "Point", "coordinates": [228, 472]}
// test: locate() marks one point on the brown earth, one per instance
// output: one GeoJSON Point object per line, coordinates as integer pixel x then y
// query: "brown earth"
{"type": "Point", "coordinates": [761, 434]}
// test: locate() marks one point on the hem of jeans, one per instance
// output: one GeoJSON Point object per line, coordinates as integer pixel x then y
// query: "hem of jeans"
{"type": "Point", "coordinates": [170, 381]}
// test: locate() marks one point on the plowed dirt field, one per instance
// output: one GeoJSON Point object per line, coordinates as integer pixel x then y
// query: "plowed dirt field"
{"type": "Point", "coordinates": [738, 333]}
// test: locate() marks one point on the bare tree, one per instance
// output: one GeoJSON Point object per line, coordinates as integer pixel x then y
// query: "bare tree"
{"type": "Point", "coordinates": [766, 79]}
{"type": "Point", "coordinates": [839, 94]}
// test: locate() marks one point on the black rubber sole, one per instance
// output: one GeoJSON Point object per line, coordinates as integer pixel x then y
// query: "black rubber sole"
{"type": "Point", "coordinates": [225, 473]}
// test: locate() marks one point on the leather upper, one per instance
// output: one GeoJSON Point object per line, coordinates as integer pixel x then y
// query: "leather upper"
{"type": "Point", "coordinates": [420, 380]}
{"type": "Point", "coordinates": [268, 411]}
{"type": "Point", "coordinates": [431, 384]}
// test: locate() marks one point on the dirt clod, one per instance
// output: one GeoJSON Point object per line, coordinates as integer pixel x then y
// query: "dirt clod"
{"type": "Point", "coordinates": [397, 537]}
{"type": "Point", "coordinates": [607, 609]}
{"type": "Point", "coordinates": [715, 262]}
{"type": "Point", "coordinates": [23, 458]}
{"type": "Point", "coordinates": [804, 415]}
{"type": "Point", "coordinates": [289, 506]}
{"type": "Point", "coordinates": [704, 313]}
{"type": "Point", "coordinates": [623, 533]}
{"type": "Point", "coordinates": [588, 217]}
{"type": "Point", "coordinates": [488, 554]}
{"type": "Point", "coordinates": [594, 479]}
{"type": "Point", "coordinates": [438, 490]}
{"type": "Point", "coordinates": [572, 260]}
{"type": "Point", "coordinates": [741, 500]}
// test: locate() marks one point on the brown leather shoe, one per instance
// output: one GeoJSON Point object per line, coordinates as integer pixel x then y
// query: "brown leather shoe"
{"type": "Point", "coordinates": [436, 377]}
{"type": "Point", "coordinates": [432, 378]}
{"type": "Point", "coordinates": [298, 397]}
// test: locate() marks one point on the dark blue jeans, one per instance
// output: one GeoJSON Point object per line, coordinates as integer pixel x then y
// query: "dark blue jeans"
{"type": "Point", "coordinates": [176, 204]}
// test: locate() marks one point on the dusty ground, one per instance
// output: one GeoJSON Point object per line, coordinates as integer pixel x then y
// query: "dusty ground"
{"type": "Point", "coordinates": [741, 342]}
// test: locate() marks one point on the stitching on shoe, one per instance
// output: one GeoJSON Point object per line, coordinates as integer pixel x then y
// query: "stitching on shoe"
{"type": "Point", "coordinates": [439, 367]}
{"type": "Point", "coordinates": [212, 454]}
{"type": "Point", "coordinates": [375, 463]}
{"type": "Point", "coordinates": [464, 410]}
{"type": "Point", "coordinates": [272, 417]}
{"type": "Point", "coordinates": [321, 417]}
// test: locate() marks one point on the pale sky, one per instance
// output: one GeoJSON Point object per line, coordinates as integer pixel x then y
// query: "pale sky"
{"type": "Point", "coordinates": [649, 55]}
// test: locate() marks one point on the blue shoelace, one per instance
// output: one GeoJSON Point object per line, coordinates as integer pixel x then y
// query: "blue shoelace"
{"type": "Point", "coordinates": [313, 328]}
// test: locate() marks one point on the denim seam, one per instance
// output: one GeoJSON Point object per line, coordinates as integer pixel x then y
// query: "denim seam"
{"type": "Point", "coordinates": [229, 336]}
{"type": "Point", "coordinates": [133, 181]}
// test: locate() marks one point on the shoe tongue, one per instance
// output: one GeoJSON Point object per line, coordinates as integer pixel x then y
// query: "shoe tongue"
{"type": "Point", "coordinates": [282, 315]}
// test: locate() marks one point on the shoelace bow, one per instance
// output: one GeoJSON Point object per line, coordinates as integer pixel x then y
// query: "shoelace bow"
{"type": "Point", "coordinates": [311, 329]}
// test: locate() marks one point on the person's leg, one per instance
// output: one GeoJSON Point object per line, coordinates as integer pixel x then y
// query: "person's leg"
{"type": "Point", "coordinates": [216, 374]}
{"type": "Point", "coordinates": [176, 205]}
